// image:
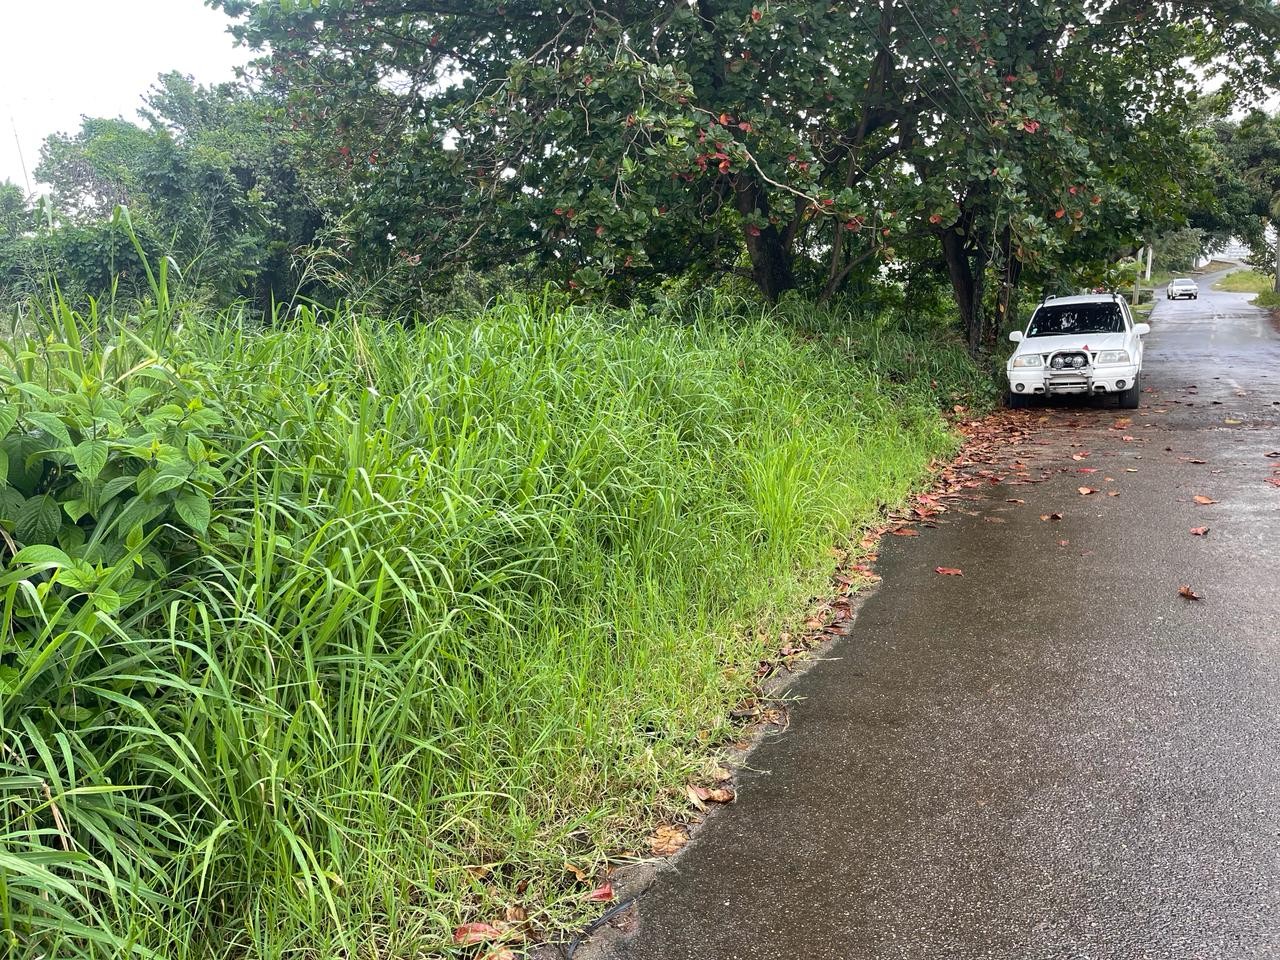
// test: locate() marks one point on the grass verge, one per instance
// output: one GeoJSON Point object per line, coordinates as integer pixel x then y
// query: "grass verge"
{"type": "Point", "coordinates": [1246, 281]}
{"type": "Point", "coordinates": [465, 601]}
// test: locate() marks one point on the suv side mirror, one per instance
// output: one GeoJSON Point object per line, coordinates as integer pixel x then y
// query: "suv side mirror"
{"type": "Point", "coordinates": [1016, 336]}
{"type": "Point", "coordinates": [1142, 329]}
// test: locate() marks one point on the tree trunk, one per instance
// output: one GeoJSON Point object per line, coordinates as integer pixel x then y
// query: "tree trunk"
{"type": "Point", "coordinates": [1276, 265]}
{"type": "Point", "coordinates": [967, 277]}
{"type": "Point", "coordinates": [1010, 275]}
{"type": "Point", "coordinates": [771, 266]}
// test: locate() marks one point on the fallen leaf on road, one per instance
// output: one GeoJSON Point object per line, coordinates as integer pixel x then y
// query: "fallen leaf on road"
{"type": "Point", "coordinates": [1190, 460]}
{"type": "Point", "coordinates": [503, 954]}
{"type": "Point", "coordinates": [1014, 500]}
{"type": "Point", "coordinates": [1199, 531]}
{"type": "Point", "coordinates": [1086, 491]}
{"type": "Point", "coordinates": [668, 839]}
{"type": "Point", "coordinates": [1130, 469]}
{"type": "Point", "coordinates": [1186, 591]}
{"type": "Point", "coordinates": [949, 571]}
{"type": "Point", "coordinates": [1204, 501]}
{"type": "Point", "coordinates": [1122, 423]}
{"type": "Point", "coordinates": [905, 532]}
{"type": "Point", "coordinates": [1080, 456]}
{"type": "Point", "coordinates": [1050, 516]}
{"type": "Point", "coordinates": [1231, 423]}
{"type": "Point", "coordinates": [701, 796]}
{"type": "Point", "coordinates": [995, 520]}
{"type": "Point", "coordinates": [1273, 454]}
{"type": "Point", "coordinates": [1086, 470]}
{"type": "Point", "coordinates": [1128, 439]}
{"type": "Point", "coordinates": [601, 894]}
{"type": "Point", "coordinates": [1274, 481]}
{"type": "Point", "coordinates": [470, 933]}
{"type": "Point", "coordinates": [1113, 493]}
{"type": "Point", "coordinates": [1064, 543]}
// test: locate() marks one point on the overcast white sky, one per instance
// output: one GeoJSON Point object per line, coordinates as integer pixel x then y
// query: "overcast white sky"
{"type": "Point", "coordinates": [60, 59]}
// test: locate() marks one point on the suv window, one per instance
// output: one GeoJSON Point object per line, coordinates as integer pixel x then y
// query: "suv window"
{"type": "Point", "coordinates": [1067, 319]}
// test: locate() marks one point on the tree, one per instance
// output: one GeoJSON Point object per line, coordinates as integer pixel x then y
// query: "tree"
{"type": "Point", "coordinates": [205, 180]}
{"type": "Point", "coordinates": [1253, 148]}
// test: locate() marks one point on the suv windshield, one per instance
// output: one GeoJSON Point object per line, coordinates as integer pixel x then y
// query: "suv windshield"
{"type": "Point", "coordinates": [1072, 318]}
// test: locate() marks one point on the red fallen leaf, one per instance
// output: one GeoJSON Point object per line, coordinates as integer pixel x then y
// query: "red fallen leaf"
{"type": "Point", "coordinates": [905, 532]}
{"type": "Point", "coordinates": [1203, 500]}
{"type": "Point", "coordinates": [1050, 516]}
{"type": "Point", "coordinates": [601, 894]}
{"type": "Point", "coordinates": [1086, 469]}
{"type": "Point", "coordinates": [1199, 531]}
{"type": "Point", "coordinates": [1064, 543]}
{"type": "Point", "coordinates": [1186, 591]}
{"type": "Point", "coordinates": [1274, 481]}
{"type": "Point", "coordinates": [470, 933]}
{"type": "Point", "coordinates": [1086, 491]}
{"type": "Point", "coordinates": [949, 571]}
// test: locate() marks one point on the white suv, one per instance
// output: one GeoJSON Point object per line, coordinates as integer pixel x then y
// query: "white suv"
{"type": "Point", "coordinates": [1186, 287]}
{"type": "Point", "coordinates": [1078, 345]}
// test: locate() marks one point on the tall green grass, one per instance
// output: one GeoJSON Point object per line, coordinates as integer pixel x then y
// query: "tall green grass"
{"type": "Point", "coordinates": [476, 594]}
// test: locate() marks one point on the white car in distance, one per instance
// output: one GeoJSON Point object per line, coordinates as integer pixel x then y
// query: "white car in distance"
{"type": "Point", "coordinates": [1185, 287]}
{"type": "Point", "coordinates": [1078, 345]}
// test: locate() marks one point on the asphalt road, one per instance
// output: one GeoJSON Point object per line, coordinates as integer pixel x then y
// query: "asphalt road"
{"type": "Point", "coordinates": [1054, 755]}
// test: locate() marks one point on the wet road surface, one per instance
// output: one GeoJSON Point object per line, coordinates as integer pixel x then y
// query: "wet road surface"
{"type": "Point", "coordinates": [1055, 755]}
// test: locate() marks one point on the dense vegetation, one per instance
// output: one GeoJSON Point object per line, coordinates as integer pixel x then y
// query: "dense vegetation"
{"type": "Point", "coordinates": [311, 622]}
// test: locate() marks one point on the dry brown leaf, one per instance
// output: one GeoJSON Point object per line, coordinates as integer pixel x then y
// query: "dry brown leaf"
{"type": "Point", "coordinates": [1050, 516]}
{"type": "Point", "coordinates": [1086, 491]}
{"type": "Point", "coordinates": [1186, 591]}
{"type": "Point", "coordinates": [949, 571]}
{"type": "Point", "coordinates": [694, 795]}
{"type": "Point", "coordinates": [579, 874]}
{"type": "Point", "coordinates": [1015, 500]}
{"type": "Point", "coordinates": [668, 839]}
{"type": "Point", "coordinates": [1204, 501]}
{"type": "Point", "coordinates": [1199, 531]}
{"type": "Point", "coordinates": [1113, 493]}
{"type": "Point", "coordinates": [905, 532]}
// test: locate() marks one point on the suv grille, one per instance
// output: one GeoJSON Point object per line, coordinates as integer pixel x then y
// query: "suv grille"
{"type": "Point", "coordinates": [1069, 361]}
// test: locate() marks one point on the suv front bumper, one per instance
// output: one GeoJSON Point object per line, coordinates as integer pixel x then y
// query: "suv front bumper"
{"type": "Point", "coordinates": [1042, 382]}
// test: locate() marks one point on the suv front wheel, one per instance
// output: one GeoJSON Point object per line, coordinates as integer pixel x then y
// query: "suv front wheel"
{"type": "Point", "coordinates": [1129, 398]}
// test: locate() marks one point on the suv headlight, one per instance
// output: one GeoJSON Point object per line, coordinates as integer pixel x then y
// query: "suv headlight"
{"type": "Point", "coordinates": [1113, 356]}
{"type": "Point", "coordinates": [1028, 360]}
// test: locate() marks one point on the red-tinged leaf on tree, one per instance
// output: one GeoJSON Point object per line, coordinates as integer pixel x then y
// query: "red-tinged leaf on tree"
{"type": "Point", "coordinates": [949, 571]}
{"type": "Point", "coordinates": [1199, 531]}
{"type": "Point", "coordinates": [1188, 593]}
{"type": "Point", "coordinates": [1204, 501]}
{"type": "Point", "coordinates": [1086, 491]}
{"type": "Point", "coordinates": [470, 933]}
{"type": "Point", "coordinates": [601, 894]}
{"type": "Point", "coordinates": [905, 532]}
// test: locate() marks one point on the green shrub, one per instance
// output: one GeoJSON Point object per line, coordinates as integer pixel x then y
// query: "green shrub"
{"type": "Point", "coordinates": [1269, 299]}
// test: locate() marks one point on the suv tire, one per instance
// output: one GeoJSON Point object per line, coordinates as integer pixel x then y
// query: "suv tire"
{"type": "Point", "coordinates": [1130, 398]}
